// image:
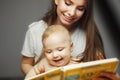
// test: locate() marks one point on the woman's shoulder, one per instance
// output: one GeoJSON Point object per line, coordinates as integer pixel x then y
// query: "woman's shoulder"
{"type": "Point", "coordinates": [38, 25]}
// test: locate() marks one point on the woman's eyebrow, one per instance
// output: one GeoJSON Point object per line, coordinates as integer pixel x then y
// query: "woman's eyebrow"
{"type": "Point", "coordinates": [69, 1]}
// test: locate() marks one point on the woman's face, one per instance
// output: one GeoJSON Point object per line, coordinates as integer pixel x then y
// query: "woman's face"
{"type": "Point", "coordinates": [69, 11]}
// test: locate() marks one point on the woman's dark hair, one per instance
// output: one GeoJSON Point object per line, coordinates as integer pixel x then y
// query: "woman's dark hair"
{"type": "Point", "coordinates": [51, 15]}
{"type": "Point", "coordinates": [94, 46]}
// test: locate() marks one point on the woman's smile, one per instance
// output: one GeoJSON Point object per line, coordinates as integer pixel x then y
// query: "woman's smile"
{"type": "Point", "coordinates": [67, 18]}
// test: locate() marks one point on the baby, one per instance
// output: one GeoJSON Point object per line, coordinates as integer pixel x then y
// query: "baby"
{"type": "Point", "coordinates": [57, 48]}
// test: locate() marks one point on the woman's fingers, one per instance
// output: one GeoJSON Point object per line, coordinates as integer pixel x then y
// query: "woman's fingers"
{"type": "Point", "coordinates": [107, 76]}
{"type": "Point", "coordinates": [99, 78]}
{"type": "Point", "coordinates": [112, 76]}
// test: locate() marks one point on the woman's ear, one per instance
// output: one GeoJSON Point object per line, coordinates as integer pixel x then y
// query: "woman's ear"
{"type": "Point", "coordinates": [56, 2]}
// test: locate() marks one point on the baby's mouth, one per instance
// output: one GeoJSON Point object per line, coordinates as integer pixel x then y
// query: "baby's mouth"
{"type": "Point", "coordinates": [58, 60]}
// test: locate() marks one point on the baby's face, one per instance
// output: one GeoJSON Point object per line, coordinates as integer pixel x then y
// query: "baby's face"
{"type": "Point", "coordinates": [57, 49]}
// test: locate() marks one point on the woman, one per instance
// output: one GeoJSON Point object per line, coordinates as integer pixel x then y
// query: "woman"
{"type": "Point", "coordinates": [77, 17]}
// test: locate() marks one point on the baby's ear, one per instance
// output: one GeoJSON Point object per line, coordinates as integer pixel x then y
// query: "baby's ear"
{"type": "Point", "coordinates": [56, 2]}
{"type": "Point", "coordinates": [71, 46]}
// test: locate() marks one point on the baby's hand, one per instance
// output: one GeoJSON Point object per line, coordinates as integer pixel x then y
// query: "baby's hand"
{"type": "Point", "coordinates": [35, 71]}
{"type": "Point", "coordinates": [38, 70]}
{"type": "Point", "coordinates": [42, 69]}
{"type": "Point", "coordinates": [30, 73]}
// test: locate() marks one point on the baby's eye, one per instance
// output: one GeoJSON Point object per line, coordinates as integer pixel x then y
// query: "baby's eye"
{"type": "Point", "coordinates": [60, 49]}
{"type": "Point", "coordinates": [48, 51]}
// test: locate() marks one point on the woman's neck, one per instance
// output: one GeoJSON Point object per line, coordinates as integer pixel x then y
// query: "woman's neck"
{"type": "Point", "coordinates": [72, 29]}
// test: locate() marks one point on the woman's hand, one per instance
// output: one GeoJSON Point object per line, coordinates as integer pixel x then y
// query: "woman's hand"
{"type": "Point", "coordinates": [107, 76]}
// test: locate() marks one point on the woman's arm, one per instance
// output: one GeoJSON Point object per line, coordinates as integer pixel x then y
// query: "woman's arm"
{"type": "Point", "coordinates": [26, 64]}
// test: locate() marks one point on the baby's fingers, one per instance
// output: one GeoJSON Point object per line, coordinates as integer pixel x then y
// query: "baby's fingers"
{"type": "Point", "coordinates": [36, 71]}
{"type": "Point", "coordinates": [42, 70]}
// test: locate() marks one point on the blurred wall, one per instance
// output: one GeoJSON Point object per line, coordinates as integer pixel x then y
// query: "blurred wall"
{"type": "Point", "coordinates": [16, 15]}
{"type": "Point", "coordinates": [108, 20]}
{"type": "Point", "coordinates": [108, 23]}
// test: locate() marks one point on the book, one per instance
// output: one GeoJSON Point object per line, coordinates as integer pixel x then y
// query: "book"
{"type": "Point", "coordinates": [80, 71]}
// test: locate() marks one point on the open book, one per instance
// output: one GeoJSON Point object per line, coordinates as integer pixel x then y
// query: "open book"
{"type": "Point", "coordinates": [81, 71]}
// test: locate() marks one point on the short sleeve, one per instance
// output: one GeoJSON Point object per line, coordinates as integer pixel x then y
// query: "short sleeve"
{"type": "Point", "coordinates": [28, 49]}
{"type": "Point", "coordinates": [32, 46]}
{"type": "Point", "coordinates": [28, 46]}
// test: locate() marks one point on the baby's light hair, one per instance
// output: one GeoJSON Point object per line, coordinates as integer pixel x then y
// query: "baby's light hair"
{"type": "Point", "coordinates": [54, 29]}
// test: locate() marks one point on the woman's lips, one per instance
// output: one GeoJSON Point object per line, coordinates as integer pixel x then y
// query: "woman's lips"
{"type": "Point", "coordinates": [67, 19]}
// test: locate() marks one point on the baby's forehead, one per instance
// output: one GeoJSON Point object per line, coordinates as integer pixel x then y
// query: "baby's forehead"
{"type": "Point", "coordinates": [61, 36]}
{"type": "Point", "coordinates": [56, 39]}
{"type": "Point", "coordinates": [58, 30]}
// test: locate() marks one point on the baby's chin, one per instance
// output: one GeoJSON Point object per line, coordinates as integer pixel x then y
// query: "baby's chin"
{"type": "Point", "coordinates": [60, 65]}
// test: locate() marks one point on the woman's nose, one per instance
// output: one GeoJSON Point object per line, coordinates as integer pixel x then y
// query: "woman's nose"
{"type": "Point", "coordinates": [72, 12]}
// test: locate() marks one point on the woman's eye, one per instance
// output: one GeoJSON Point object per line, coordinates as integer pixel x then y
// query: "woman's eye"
{"type": "Point", "coordinates": [81, 9]}
{"type": "Point", "coordinates": [67, 3]}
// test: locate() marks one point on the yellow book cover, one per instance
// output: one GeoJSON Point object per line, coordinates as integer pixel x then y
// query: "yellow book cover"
{"type": "Point", "coordinates": [81, 71]}
{"type": "Point", "coordinates": [87, 70]}
{"type": "Point", "coordinates": [54, 74]}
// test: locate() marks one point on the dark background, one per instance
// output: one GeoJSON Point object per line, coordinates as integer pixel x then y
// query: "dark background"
{"type": "Point", "coordinates": [16, 15]}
